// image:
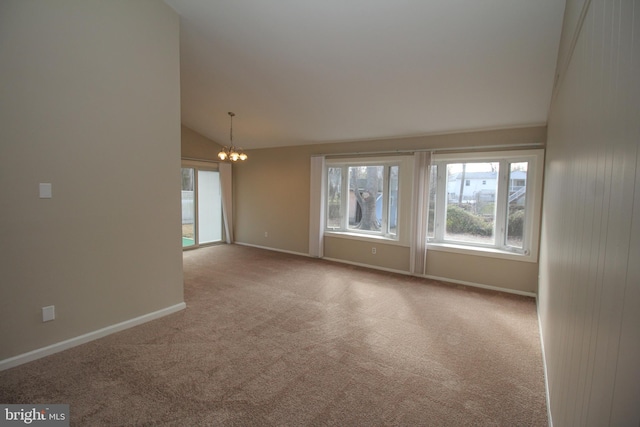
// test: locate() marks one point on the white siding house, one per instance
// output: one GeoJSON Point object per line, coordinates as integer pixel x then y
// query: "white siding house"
{"type": "Point", "coordinates": [483, 184]}
{"type": "Point", "coordinates": [475, 183]}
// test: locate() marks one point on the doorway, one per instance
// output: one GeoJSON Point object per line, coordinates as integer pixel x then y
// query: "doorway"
{"type": "Point", "coordinates": [201, 206]}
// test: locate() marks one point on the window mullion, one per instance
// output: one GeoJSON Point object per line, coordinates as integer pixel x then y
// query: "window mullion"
{"type": "Point", "coordinates": [344, 198]}
{"type": "Point", "coordinates": [386, 176]}
{"type": "Point", "coordinates": [529, 208]}
{"type": "Point", "coordinates": [501, 204]}
{"type": "Point", "coordinates": [440, 212]}
{"type": "Point", "coordinates": [327, 204]}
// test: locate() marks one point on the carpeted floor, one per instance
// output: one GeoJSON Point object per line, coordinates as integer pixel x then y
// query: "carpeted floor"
{"type": "Point", "coordinates": [275, 339]}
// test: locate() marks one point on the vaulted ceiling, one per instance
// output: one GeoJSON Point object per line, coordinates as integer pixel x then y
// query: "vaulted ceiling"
{"type": "Point", "coordinates": [309, 71]}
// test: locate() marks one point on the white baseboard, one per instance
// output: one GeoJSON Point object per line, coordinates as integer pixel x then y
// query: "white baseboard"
{"type": "Point", "coordinates": [390, 270]}
{"type": "Point", "coordinates": [441, 279]}
{"type": "Point", "coordinates": [372, 267]}
{"type": "Point", "coordinates": [544, 368]}
{"type": "Point", "coordinates": [82, 339]}
{"type": "Point", "coordinates": [480, 285]}
{"type": "Point", "coordinates": [271, 249]}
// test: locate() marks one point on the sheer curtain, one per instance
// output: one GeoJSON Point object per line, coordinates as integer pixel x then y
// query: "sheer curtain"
{"type": "Point", "coordinates": [422, 161]}
{"type": "Point", "coordinates": [227, 199]}
{"type": "Point", "coordinates": [316, 207]}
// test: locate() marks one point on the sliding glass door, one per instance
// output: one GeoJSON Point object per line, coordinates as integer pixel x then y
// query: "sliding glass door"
{"type": "Point", "coordinates": [188, 207]}
{"type": "Point", "coordinates": [201, 206]}
{"type": "Point", "coordinates": [209, 207]}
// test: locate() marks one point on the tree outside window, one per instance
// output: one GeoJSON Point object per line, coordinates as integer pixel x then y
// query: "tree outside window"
{"type": "Point", "coordinates": [363, 198]}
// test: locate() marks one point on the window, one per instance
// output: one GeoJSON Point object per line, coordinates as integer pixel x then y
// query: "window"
{"type": "Point", "coordinates": [486, 202]}
{"type": "Point", "coordinates": [363, 197]}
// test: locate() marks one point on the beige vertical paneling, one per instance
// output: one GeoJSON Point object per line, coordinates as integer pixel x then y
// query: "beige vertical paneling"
{"type": "Point", "coordinates": [627, 387]}
{"type": "Point", "coordinates": [589, 277]}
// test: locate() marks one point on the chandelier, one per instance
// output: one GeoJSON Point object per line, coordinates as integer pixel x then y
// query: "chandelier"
{"type": "Point", "coordinates": [231, 152]}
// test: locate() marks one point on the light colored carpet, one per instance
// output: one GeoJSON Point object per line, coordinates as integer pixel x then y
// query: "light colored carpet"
{"type": "Point", "coordinates": [275, 339]}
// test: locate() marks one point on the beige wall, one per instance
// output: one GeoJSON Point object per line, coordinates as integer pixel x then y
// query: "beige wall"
{"type": "Point", "coordinates": [501, 273]}
{"type": "Point", "coordinates": [590, 248]}
{"type": "Point", "coordinates": [90, 103]}
{"type": "Point", "coordinates": [271, 192]}
{"type": "Point", "coordinates": [198, 147]}
{"type": "Point", "coordinates": [388, 257]}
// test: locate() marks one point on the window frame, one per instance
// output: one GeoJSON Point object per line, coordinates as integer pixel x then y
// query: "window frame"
{"type": "Point", "coordinates": [402, 224]}
{"type": "Point", "coordinates": [500, 249]}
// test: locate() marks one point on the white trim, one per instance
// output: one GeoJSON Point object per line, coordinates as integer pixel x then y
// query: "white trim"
{"type": "Point", "coordinates": [364, 237]}
{"type": "Point", "coordinates": [91, 336]}
{"type": "Point", "coordinates": [544, 368]}
{"type": "Point", "coordinates": [372, 267]}
{"type": "Point", "coordinates": [403, 272]}
{"type": "Point", "coordinates": [440, 279]}
{"type": "Point", "coordinates": [272, 249]}
{"type": "Point", "coordinates": [405, 163]}
{"type": "Point", "coordinates": [480, 285]}
{"type": "Point", "coordinates": [317, 206]}
{"type": "Point", "coordinates": [561, 68]}
{"type": "Point", "coordinates": [481, 251]}
{"type": "Point", "coordinates": [472, 156]}
{"type": "Point", "coordinates": [531, 236]}
{"type": "Point", "coordinates": [208, 164]}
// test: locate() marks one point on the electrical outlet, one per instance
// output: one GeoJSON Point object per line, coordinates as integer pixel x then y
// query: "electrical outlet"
{"type": "Point", "coordinates": [266, 234]}
{"type": "Point", "coordinates": [373, 251]}
{"type": "Point", "coordinates": [48, 313]}
{"type": "Point", "coordinates": [45, 190]}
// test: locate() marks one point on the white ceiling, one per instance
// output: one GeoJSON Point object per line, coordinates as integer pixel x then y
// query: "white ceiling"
{"type": "Point", "coordinates": [308, 71]}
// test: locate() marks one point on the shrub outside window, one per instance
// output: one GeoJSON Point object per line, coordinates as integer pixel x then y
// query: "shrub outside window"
{"type": "Point", "coordinates": [487, 201]}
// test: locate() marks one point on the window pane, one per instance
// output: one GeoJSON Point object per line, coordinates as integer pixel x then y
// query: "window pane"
{"type": "Point", "coordinates": [188, 208]}
{"type": "Point", "coordinates": [433, 185]}
{"type": "Point", "coordinates": [334, 198]}
{"type": "Point", "coordinates": [365, 197]}
{"type": "Point", "coordinates": [393, 200]}
{"type": "Point", "coordinates": [516, 204]}
{"type": "Point", "coordinates": [471, 202]}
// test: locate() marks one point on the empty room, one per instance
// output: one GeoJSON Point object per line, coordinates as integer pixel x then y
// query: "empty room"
{"type": "Point", "coordinates": [363, 212]}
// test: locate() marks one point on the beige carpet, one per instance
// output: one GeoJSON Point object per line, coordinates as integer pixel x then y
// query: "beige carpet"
{"type": "Point", "coordinates": [275, 339]}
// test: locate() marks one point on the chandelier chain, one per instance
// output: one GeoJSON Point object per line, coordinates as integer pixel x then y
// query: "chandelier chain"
{"type": "Point", "coordinates": [231, 153]}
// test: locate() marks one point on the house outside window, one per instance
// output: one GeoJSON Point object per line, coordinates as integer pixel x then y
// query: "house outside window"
{"type": "Point", "coordinates": [486, 203]}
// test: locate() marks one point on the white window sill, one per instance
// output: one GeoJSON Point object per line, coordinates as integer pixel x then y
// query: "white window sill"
{"type": "Point", "coordinates": [481, 251]}
{"type": "Point", "coordinates": [363, 237]}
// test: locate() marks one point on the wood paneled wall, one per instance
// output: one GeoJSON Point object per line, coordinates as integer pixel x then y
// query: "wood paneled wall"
{"type": "Point", "coordinates": [589, 300]}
